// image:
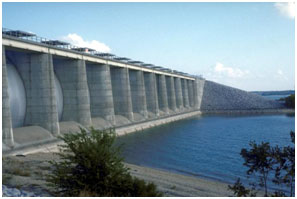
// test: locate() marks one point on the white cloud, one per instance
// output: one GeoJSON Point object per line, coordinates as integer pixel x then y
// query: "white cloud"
{"type": "Point", "coordinates": [287, 9]}
{"type": "Point", "coordinates": [280, 75]}
{"type": "Point", "coordinates": [230, 72]}
{"type": "Point", "coordinates": [77, 40]}
{"type": "Point", "coordinates": [280, 72]}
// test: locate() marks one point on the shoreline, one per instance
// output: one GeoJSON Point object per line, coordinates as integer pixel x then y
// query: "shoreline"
{"type": "Point", "coordinates": [35, 167]}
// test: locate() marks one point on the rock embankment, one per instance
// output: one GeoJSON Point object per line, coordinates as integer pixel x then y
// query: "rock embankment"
{"type": "Point", "coordinates": [218, 97]}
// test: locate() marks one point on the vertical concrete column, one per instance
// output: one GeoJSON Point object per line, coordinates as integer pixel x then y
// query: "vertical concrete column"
{"type": "Point", "coordinates": [73, 78]}
{"type": "Point", "coordinates": [171, 93]}
{"type": "Point", "coordinates": [101, 99]}
{"type": "Point", "coordinates": [121, 92]}
{"type": "Point", "coordinates": [191, 93]}
{"type": "Point", "coordinates": [185, 93]}
{"type": "Point", "coordinates": [162, 93]}
{"type": "Point", "coordinates": [151, 93]}
{"type": "Point", "coordinates": [178, 93]}
{"type": "Point", "coordinates": [7, 134]}
{"type": "Point", "coordinates": [199, 87]}
{"type": "Point", "coordinates": [37, 74]}
{"type": "Point", "coordinates": [138, 92]}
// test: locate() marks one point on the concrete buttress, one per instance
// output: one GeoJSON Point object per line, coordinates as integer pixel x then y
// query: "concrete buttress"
{"type": "Point", "coordinates": [138, 95]}
{"type": "Point", "coordinates": [151, 93]}
{"type": "Point", "coordinates": [73, 79]}
{"type": "Point", "coordinates": [101, 99]}
{"type": "Point", "coordinates": [7, 134]}
{"type": "Point", "coordinates": [171, 93]}
{"type": "Point", "coordinates": [178, 93]}
{"type": "Point", "coordinates": [162, 94]}
{"type": "Point", "coordinates": [121, 92]}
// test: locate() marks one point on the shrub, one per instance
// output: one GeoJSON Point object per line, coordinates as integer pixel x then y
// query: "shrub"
{"type": "Point", "coordinates": [90, 165]}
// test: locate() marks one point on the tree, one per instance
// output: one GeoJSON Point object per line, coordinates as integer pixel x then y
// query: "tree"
{"type": "Point", "coordinates": [258, 159]}
{"type": "Point", "coordinates": [263, 159]}
{"type": "Point", "coordinates": [89, 165]}
{"type": "Point", "coordinates": [285, 169]}
{"type": "Point", "coordinates": [289, 101]}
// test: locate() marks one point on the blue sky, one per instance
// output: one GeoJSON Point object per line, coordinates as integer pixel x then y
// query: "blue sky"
{"type": "Point", "coordinates": [245, 45]}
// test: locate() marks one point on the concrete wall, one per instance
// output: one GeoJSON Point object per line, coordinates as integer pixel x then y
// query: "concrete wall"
{"type": "Point", "coordinates": [138, 95]}
{"type": "Point", "coordinates": [185, 92]}
{"type": "Point", "coordinates": [191, 93]}
{"type": "Point", "coordinates": [121, 92]}
{"type": "Point", "coordinates": [171, 93]}
{"type": "Point", "coordinates": [101, 99]}
{"type": "Point", "coordinates": [7, 134]}
{"type": "Point", "coordinates": [178, 93]}
{"type": "Point", "coordinates": [73, 79]}
{"type": "Point", "coordinates": [36, 71]}
{"type": "Point", "coordinates": [151, 94]}
{"type": "Point", "coordinates": [162, 94]}
{"type": "Point", "coordinates": [218, 97]}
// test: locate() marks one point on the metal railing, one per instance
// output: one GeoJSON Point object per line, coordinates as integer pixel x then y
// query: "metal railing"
{"type": "Point", "coordinates": [22, 35]}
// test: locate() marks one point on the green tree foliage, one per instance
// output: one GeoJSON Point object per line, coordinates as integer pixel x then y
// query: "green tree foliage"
{"type": "Point", "coordinates": [289, 101]}
{"type": "Point", "coordinates": [258, 159]}
{"type": "Point", "coordinates": [90, 165]}
{"type": "Point", "coordinates": [262, 159]}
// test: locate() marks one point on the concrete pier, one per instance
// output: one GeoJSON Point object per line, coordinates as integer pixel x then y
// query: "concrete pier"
{"type": "Point", "coordinates": [198, 93]}
{"type": "Point", "coordinates": [171, 93]}
{"type": "Point", "coordinates": [162, 94]}
{"type": "Point", "coordinates": [101, 99]}
{"type": "Point", "coordinates": [121, 93]}
{"type": "Point", "coordinates": [7, 134]}
{"type": "Point", "coordinates": [151, 94]}
{"type": "Point", "coordinates": [138, 95]}
{"type": "Point", "coordinates": [178, 93]}
{"type": "Point", "coordinates": [184, 84]}
{"type": "Point", "coordinates": [73, 79]}
{"type": "Point", "coordinates": [191, 93]}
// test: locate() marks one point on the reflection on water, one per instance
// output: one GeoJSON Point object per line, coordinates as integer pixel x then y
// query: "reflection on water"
{"type": "Point", "coordinates": [205, 146]}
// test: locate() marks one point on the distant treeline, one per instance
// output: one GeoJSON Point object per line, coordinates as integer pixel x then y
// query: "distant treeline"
{"type": "Point", "coordinates": [264, 93]}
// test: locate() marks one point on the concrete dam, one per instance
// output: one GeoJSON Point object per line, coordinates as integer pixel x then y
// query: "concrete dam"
{"type": "Point", "coordinates": [50, 88]}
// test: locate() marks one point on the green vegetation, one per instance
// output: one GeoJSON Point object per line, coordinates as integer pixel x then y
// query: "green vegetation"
{"type": "Point", "coordinates": [263, 160]}
{"type": "Point", "coordinates": [90, 165]}
{"type": "Point", "coordinates": [289, 101]}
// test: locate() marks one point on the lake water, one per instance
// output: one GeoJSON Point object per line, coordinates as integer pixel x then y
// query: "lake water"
{"type": "Point", "coordinates": [205, 146]}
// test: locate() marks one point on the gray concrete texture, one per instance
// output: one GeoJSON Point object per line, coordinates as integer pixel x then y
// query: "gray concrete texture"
{"type": "Point", "coordinates": [121, 92]}
{"type": "Point", "coordinates": [162, 94]}
{"type": "Point", "coordinates": [7, 134]}
{"type": "Point", "coordinates": [138, 95]}
{"type": "Point", "coordinates": [36, 71]}
{"type": "Point", "coordinates": [101, 99]}
{"type": "Point", "coordinates": [178, 93]}
{"type": "Point", "coordinates": [191, 93]}
{"type": "Point", "coordinates": [151, 93]}
{"type": "Point", "coordinates": [73, 79]}
{"type": "Point", "coordinates": [171, 93]}
{"type": "Point", "coordinates": [184, 84]}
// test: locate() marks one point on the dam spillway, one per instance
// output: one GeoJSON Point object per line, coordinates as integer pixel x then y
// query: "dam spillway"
{"type": "Point", "coordinates": [50, 88]}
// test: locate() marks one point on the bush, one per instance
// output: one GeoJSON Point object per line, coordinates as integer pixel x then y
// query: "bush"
{"type": "Point", "coordinates": [90, 165]}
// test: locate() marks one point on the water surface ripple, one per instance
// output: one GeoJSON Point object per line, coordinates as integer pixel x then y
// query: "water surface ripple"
{"type": "Point", "coordinates": [206, 146]}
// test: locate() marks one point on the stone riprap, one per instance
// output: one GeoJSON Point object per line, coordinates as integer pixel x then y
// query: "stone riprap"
{"type": "Point", "coordinates": [218, 97]}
